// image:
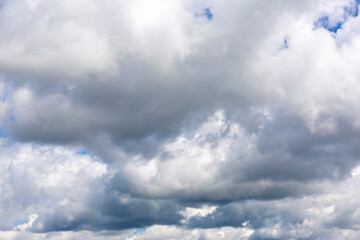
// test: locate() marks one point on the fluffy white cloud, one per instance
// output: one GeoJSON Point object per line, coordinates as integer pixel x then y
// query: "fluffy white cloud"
{"type": "Point", "coordinates": [37, 180]}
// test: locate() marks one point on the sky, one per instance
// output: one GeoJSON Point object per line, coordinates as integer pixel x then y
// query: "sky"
{"type": "Point", "coordinates": [181, 119]}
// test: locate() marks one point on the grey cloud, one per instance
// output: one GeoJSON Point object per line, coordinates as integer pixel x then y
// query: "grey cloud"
{"type": "Point", "coordinates": [173, 112]}
{"type": "Point", "coordinates": [139, 99]}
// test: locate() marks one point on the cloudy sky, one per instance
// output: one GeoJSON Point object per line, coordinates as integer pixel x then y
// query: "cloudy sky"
{"type": "Point", "coordinates": [181, 119]}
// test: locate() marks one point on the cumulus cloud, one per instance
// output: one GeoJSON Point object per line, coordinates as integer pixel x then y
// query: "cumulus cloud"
{"type": "Point", "coordinates": [179, 119]}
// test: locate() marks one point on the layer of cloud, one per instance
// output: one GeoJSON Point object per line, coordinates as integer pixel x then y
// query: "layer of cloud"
{"type": "Point", "coordinates": [157, 117]}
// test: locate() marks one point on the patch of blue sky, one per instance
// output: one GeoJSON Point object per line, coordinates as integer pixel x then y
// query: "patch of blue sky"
{"type": "Point", "coordinates": [349, 11]}
{"type": "Point", "coordinates": [208, 13]}
{"type": "Point", "coordinates": [5, 137]}
{"type": "Point", "coordinates": [352, 10]}
{"type": "Point", "coordinates": [3, 132]}
{"type": "Point", "coordinates": [12, 118]}
{"type": "Point", "coordinates": [18, 222]}
{"type": "Point", "coordinates": [82, 152]}
{"type": "Point", "coordinates": [139, 230]}
{"type": "Point", "coordinates": [5, 95]}
{"type": "Point", "coordinates": [285, 44]}
{"type": "Point", "coordinates": [205, 13]}
{"type": "Point", "coordinates": [324, 22]}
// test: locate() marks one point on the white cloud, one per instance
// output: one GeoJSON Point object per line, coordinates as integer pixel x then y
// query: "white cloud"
{"type": "Point", "coordinates": [197, 212]}
{"type": "Point", "coordinates": [34, 178]}
{"type": "Point", "coordinates": [28, 224]}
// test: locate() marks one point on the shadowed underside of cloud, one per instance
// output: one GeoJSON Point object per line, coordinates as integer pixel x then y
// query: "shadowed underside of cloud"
{"type": "Point", "coordinates": [179, 119]}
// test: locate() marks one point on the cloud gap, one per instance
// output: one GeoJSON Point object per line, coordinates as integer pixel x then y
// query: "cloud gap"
{"type": "Point", "coordinates": [332, 23]}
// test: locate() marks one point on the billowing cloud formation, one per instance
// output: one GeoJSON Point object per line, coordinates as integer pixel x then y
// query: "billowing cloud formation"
{"type": "Point", "coordinates": [179, 119]}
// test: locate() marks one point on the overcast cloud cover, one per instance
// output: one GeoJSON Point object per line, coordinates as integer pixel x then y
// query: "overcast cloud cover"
{"type": "Point", "coordinates": [179, 119]}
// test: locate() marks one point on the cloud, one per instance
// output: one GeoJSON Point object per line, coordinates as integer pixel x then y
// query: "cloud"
{"type": "Point", "coordinates": [179, 119]}
{"type": "Point", "coordinates": [107, 77]}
